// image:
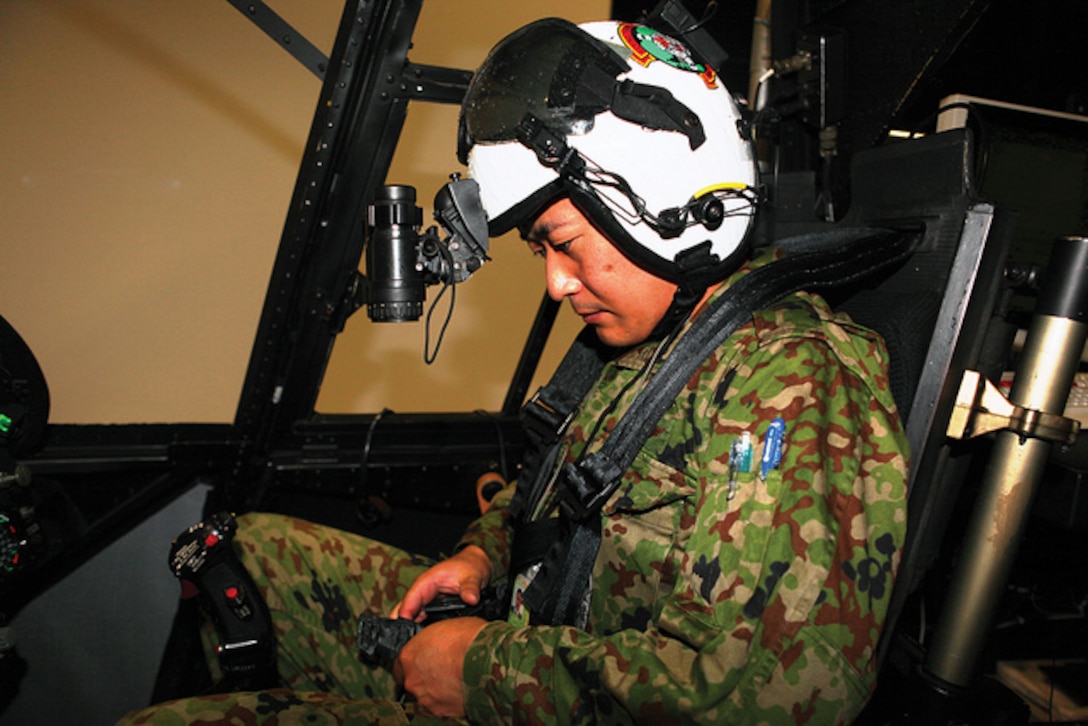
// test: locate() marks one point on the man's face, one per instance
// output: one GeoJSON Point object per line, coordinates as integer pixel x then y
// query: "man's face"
{"type": "Point", "coordinates": [620, 299]}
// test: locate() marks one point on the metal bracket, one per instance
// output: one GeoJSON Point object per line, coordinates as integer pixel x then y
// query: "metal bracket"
{"type": "Point", "coordinates": [981, 408]}
{"type": "Point", "coordinates": [427, 83]}
{"type": "Point", "coordinates": [354, 298]}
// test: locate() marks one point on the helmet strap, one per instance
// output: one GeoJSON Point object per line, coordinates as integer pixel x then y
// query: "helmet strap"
{"type": "Point", "coordinates": [696, 265]}
{"type": "Point", "coordinates": [654, 107]}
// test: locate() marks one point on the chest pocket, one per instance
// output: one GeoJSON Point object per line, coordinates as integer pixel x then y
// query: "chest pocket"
{"type": "Point", "coordinates": [647, 494]}
{"type": "Point", "coordinates": [642, 526]}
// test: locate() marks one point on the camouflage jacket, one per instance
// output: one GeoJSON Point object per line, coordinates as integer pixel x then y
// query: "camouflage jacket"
{"type": "Point", "coordinates": [719, 597]}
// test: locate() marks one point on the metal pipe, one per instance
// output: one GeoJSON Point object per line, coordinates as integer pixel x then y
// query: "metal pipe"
{"type": "Point", "coordinates": [760, 57]}
{"type": "Point", "coordinates": [1042, 383]}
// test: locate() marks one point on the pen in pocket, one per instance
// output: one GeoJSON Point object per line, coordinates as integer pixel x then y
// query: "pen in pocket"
{"type": "Point", "coordinates": [740, 461]}
{"type": "Point", "coordinates": [773, 442]}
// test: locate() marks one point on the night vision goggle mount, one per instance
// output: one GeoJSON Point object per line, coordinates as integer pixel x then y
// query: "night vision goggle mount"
{"type": "Point", "coordinates": [401, 262]}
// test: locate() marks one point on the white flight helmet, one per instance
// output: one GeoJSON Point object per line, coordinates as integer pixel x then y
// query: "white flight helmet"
{"type": "Point", "coordinates": [619, 117]}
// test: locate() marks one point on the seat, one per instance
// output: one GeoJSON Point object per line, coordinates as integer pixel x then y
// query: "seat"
{"type": "Point", "coordinates": [940, 314]}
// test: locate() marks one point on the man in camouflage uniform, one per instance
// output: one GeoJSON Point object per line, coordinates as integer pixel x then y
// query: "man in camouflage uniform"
{"type": "Point", "coordinates": [723, 590]}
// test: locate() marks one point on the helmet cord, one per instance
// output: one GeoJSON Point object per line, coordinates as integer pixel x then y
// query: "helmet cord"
{"type": "Point", "coordinates": [450, 284]}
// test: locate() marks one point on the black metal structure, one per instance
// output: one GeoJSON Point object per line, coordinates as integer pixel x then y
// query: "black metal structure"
{"type": "Point", "coordinates": [315, 285]}
{"type": "Point", "coordinates": [280, 31]}
{"type": "Point", "coordinates": [92, 484]}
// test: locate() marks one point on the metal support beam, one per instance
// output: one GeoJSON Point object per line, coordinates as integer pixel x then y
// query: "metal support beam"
{"type": "Point", "coordinates": [287, 37]}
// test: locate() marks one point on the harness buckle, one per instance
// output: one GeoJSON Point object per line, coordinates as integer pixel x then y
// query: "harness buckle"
{"type": "Point", "coordinates": [544, 421]}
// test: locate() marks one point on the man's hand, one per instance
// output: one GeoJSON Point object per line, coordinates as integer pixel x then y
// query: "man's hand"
{"type": "Point", "coordinates": [431, 665]}
{"type": "Point", "coordinates": [464, 575]}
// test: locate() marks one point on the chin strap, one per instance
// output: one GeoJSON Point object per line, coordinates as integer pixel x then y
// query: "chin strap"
{"type": "Point", "coordinates": [694, 264]}
{"type": "Point", "coordinates": [568, 545]}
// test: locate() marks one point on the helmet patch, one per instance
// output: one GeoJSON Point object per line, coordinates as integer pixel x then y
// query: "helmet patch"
{"type": "Point", "coordinates": [647, 45]}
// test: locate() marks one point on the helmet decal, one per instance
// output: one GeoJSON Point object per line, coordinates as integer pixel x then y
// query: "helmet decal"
{"type": "Point", "coordinates": [647, 45]}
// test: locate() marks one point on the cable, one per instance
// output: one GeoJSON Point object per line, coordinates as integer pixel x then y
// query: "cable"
{"type": "Point", "coordinates": [709, 12]}
{"type": "Point", "coordinates": [360, 512]}
{"type": "Point", "coordinates": [428, 355]}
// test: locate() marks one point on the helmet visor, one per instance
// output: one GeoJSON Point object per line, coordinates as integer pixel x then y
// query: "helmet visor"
{"type": "Point", "coordinates": [551, 69]}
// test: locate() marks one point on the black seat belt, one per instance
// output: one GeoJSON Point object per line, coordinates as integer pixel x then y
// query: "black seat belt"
{"type": "Point", "coordinates": [556, 593]}
{"type": "Point", "coordinates": [546, 415]}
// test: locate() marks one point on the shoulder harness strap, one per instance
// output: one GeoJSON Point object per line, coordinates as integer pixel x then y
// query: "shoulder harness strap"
{"type": "Point", "coordinates": [559, 589]}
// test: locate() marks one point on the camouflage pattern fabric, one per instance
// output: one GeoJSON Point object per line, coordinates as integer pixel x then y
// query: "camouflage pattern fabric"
{"type": "Point", "coordinates": [760, 606]}
{"type": "Point", "coordinates": [281, 707]}
{"type": "Point", "coordinates": [756, 603]}
{"type": "Point", "coordinates": [316, 581]}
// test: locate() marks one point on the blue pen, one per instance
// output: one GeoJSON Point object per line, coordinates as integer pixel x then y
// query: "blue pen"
{"type": "Point", "coordinates": [772, 447]}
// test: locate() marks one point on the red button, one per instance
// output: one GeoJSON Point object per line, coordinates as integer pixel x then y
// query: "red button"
{"type": "Point", "coordinates": [188, 590]}
{"type": "Point", "coordinates": [211, 540]}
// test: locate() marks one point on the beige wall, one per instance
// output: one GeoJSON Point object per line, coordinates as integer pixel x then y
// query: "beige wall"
{"type": "Point", "coordinates": [148, 150]}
